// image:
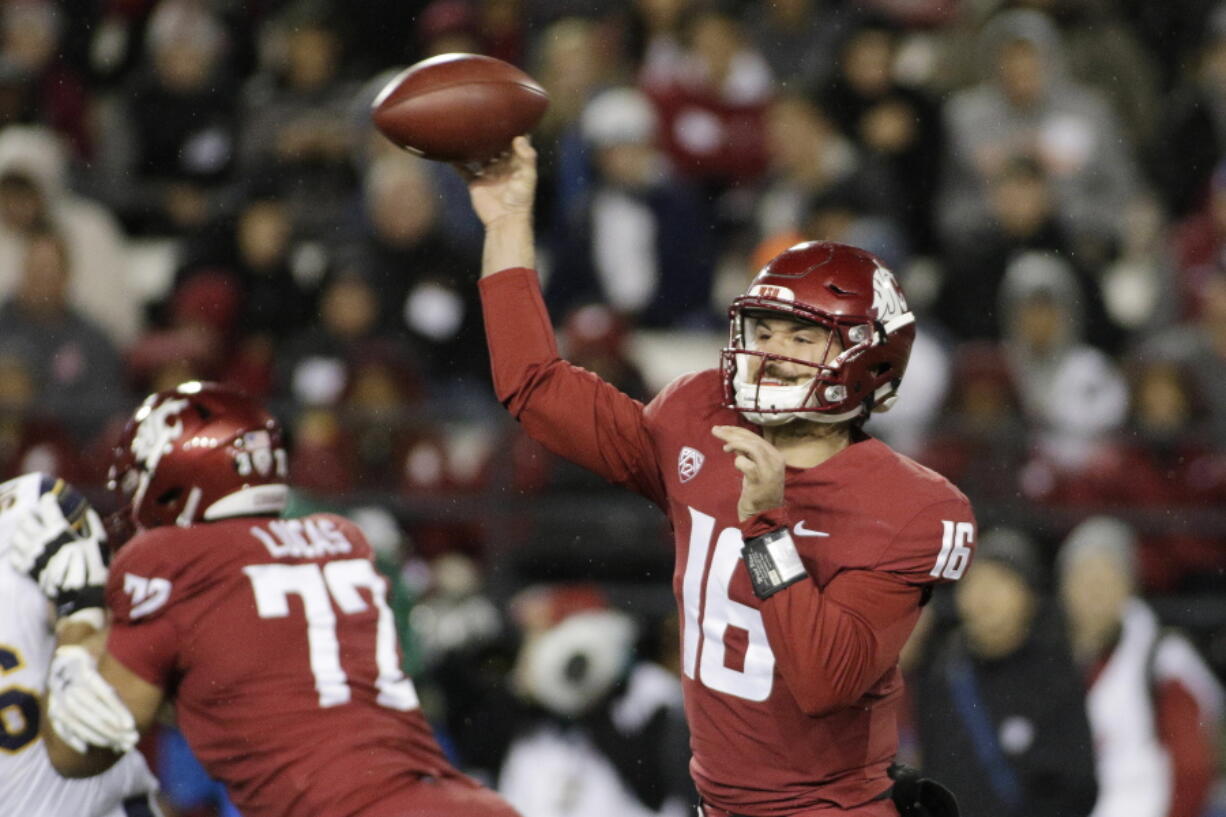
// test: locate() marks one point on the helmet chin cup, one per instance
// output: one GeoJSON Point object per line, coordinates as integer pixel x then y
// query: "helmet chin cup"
{"type": "Point", "coordinates": [815, 400]}
{"type": "Point", "coordinates": [781, 406]}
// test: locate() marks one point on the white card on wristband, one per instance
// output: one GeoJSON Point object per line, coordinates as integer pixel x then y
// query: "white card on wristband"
{"type": "Point", "coordinates": [787, 561]}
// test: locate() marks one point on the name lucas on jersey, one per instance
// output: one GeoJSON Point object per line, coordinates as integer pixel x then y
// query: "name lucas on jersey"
{"type": "Point", "coordinates": [302, 538]}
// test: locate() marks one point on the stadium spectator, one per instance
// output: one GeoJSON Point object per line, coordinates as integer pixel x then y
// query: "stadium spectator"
{"type": "Point", "coordinates": [846, 213]}
{"type": "Point", "coordinates": [254, 262]}
{"type": "Point", "coordinates": [596, 338]}
{"type": "Point", "coordinates": [656, 47]}
{"type": "Point", "coordinates": [297, 125]}
{"type": "Point", "coordinates": [448, 27]}
{"type": "Point", "coordinates": [1103, 51]}
{"type": "Point", "coordinates": [806, 156]}
{"type": "Point", "coordinates": [798, 38]}
{"type": "Point", "coordinates": [1000, 708]}
{"type": "Point", "coordinates": [896, 128]}
{"type": "Point", "coordinates": [416, 270]}
{"type": "Point", "coordinates": [35, 194]}
{"type": "Point", "coordinates": [574, 62]}
{"type": "Point", "coordinates": [357, 386]}
{"type": "Point", "coordinates": [1073, 395]}
{"type": "Point", "coordinates": [1161, 461]}
{"type": "Point", "coordinates": [983, 440]}
{"type": "Point", "coordinates": [635, 240]}
{"type": "Point", "coordinates": [333, 715]}
{"type": "Point", "coordinates": [1155, 708]}
{"type": "Point", "coordinates": [1027, 106]}
{"type": "Point", "coordinates": [1021, 217]}
{"type": "Point", "coordinates": [1193, 136]}
{"type": "Point", "coordinates": [922, 397]}
{"type": "Point", "coordinates": [170, 154]}
{"type": "Point", "coordinates": [75, 368]}
{"type": "Point", "coordinates": [32, 45]}
{"type": "Point", "coordinates": [712, 100]}
{"type": "Point", "coordinates": [491, 27]}
{"type": "Point", "coordinates": [29, 439]}
{"type": "Point", "coordinates": [1199, 246]}
{"type": "Point", "coordinates": [1201, 345]}
{"type": "Point", "coordinates": [198, 339]}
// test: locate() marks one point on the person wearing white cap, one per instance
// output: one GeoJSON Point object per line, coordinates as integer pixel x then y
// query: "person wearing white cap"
{"type": "Point", "coordinates": [636, 241]}
{"type": "Point", "coordinates": [1154, 706]}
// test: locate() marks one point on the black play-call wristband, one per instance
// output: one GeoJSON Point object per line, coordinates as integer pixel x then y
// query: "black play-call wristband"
{"type": "Point", "coordinates": [773, 562]}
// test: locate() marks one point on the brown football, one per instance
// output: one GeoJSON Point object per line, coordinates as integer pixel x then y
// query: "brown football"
{"type": "Point", "coordinates": [459, 107]}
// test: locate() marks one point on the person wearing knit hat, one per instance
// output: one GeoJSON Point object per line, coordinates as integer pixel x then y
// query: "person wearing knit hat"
{"type": "Point", "coordinates": [1155, 708]}
{"type": "Point", "coordinates": [999, 707]}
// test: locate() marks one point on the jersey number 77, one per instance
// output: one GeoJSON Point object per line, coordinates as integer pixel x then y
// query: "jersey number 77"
{"type": "Point", "coordinates": [336, 582]}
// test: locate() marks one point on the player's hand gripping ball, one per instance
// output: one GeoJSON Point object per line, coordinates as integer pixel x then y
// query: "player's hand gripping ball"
{"type": "Point", "coordinates": [463, 108]}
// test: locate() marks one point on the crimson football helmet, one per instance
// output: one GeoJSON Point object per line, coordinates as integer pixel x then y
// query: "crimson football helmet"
{"type": "Point", "coordinates": [199, 452]}
{"type": "Point", "coordinates": [852, 295]}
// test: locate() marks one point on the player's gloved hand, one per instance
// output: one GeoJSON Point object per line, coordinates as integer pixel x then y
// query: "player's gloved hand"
{"type": "Point", "coordinates": [67, 565]}
{"type": "Point", "coordinates": [83, 708]}
{"type": "Point", "coordinates": [918, 796]}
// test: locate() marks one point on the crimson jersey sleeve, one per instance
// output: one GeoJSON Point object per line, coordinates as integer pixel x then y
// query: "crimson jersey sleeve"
{"type": "Point", "coordinates": [140, 592]}
{"type": "Point", "coordinates": [834, 643]}
{"type": "Point", "coordinates": [571, 411]}
{"type": "Point", "coordinates": [935, 545]}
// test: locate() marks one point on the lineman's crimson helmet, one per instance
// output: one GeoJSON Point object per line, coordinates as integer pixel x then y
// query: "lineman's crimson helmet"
{"type": "Point", "coordinates": [849, 292]}
{"type": "Point", "coordinates": [199, 452]}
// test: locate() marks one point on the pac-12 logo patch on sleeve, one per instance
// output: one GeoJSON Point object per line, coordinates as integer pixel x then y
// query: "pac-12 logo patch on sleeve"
{"type": "Point", "coordinates": [689, 463]}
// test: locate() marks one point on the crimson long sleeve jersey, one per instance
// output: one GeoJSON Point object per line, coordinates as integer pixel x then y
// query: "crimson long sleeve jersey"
{"type": "Point", "coordinates": [792, 702]}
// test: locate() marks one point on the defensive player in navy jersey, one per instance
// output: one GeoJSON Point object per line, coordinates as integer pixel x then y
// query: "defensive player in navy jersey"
{"type": "Point", "coordinates": [804, 547]}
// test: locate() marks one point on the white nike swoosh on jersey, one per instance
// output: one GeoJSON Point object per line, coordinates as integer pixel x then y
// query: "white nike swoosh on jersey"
{"type": "Point", "coordinates": [801, 530]}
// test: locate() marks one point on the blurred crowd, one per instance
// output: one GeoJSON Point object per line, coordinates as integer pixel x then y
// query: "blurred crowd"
{"type": "Point", "coordinates": [193, 189]}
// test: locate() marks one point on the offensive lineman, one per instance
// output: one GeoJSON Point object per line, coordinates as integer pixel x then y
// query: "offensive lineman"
{"type": "Point", "coordinates": [272, 636]}
{"type": "Point", "coordinates": [61, 592]}
{"type": "Point", "coordinates": [804, 547]}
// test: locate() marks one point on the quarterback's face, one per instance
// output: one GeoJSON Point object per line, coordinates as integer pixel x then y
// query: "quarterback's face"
{"type": "Point", "coordinates": [792, 339]}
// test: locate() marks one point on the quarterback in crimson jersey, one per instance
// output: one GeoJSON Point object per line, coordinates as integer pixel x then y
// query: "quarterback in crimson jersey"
{"type": "Point", "coordinates": [272, 636]}
{"type": "Point", "coordinates": [804, 547]}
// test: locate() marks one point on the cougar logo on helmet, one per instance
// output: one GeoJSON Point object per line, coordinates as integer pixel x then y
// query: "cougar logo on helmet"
{"type": "Point", "coordinates": [197, 453]}
{"type": "Point", "coordinates": [157, 427]}
{"type": "Point", "coordinates": [888, 301]}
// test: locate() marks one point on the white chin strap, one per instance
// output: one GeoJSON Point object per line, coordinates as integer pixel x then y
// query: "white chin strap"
{"type": "Point", "coordinates": [783, 404]}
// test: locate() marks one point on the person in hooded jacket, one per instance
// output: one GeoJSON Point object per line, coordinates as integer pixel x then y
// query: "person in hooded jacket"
{"type": "Point", "coordinates": [999, 706]}
{"type": "Point", "coordinates": [1025, 105]}
{"type": "Point", "coordinates": [34, 195]}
